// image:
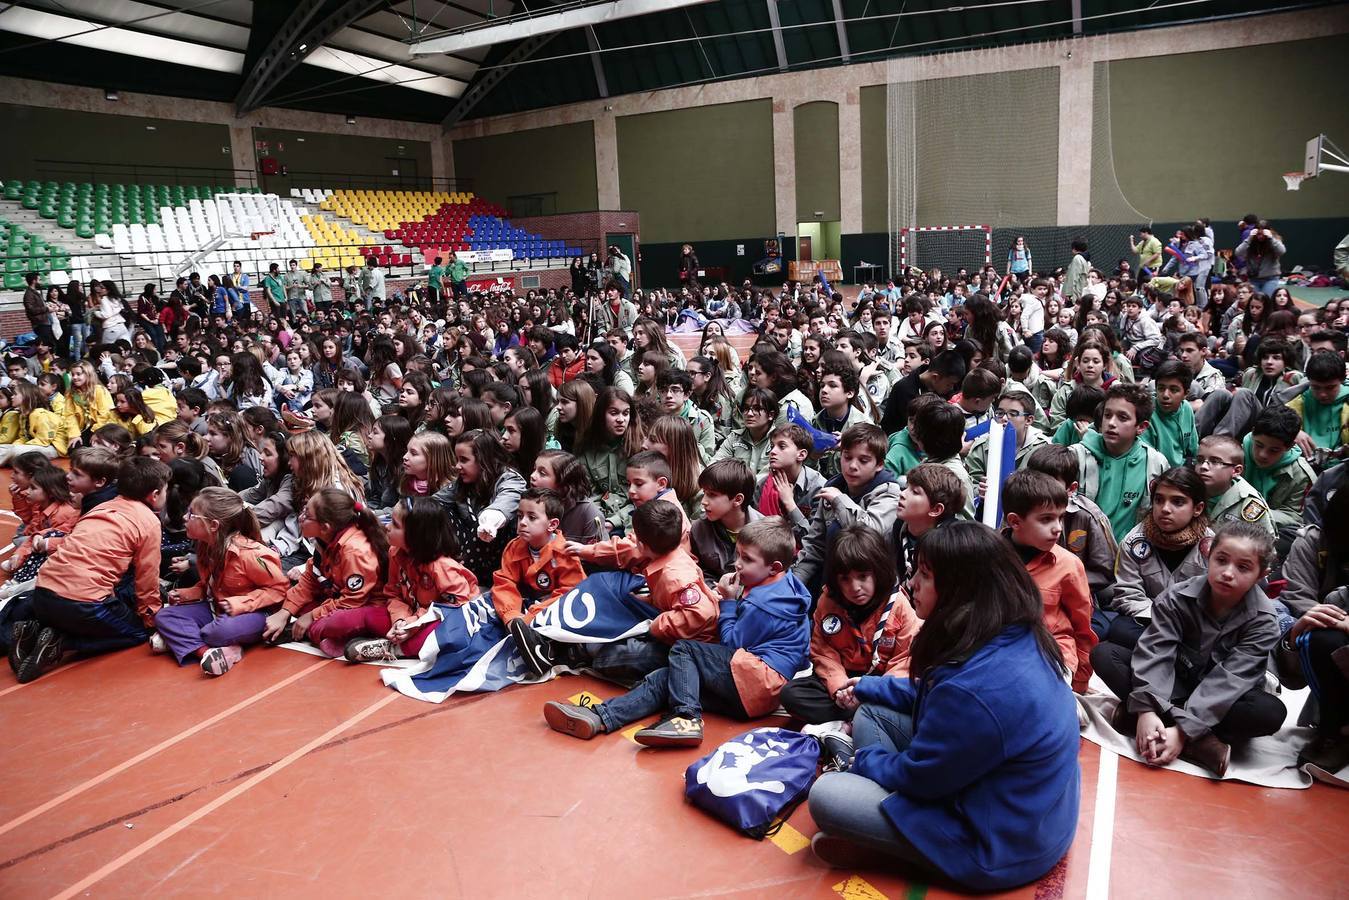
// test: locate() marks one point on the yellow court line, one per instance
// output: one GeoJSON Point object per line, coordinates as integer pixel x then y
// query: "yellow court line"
{"type": "Point", "coordinates": [140, 850]}
{"type": "Point", "coordinates": [155, 750]}
{"type": "Point", "coordinates": [858, 888]}
{"type": "Point", "coordinates": [789, 840]}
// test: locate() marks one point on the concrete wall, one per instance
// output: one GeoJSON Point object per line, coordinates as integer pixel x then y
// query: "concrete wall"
{"type": "Point", "coordinates": [815, 128]}
{"type": "Point", "coordinates": [559, 160]}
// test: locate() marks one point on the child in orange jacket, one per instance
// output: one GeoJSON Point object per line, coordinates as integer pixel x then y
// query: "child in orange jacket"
{"type": "Point", "coordinates": [649, 477]}
{"type": "Point", "coordinates": [423, 571]}
{"type": "Point", "coordinates": [1034, 504]}
{"type": "Point", "coordinates": [536, 570]}
{"type": "Point", "coordinates": [347, 572]}
{"type": "Point", "coordinates": [241, 581]}
{"type": "Point", "coordinates": [26, 465]}
{"type": "Point", "coordinates": [50, 509]}
{"type": "Point", "coordinates": [863, 625]}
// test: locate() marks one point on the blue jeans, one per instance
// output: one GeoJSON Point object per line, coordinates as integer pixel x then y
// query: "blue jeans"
{"type": "Point", "coordinates": [698, 675]}
{"type": "Point", "coordinates": [79, 335]}
{"type": "Point", "coordinates": [1265, 286]}
{"type": "Point", "coordinates": [881, 726]}
{"type": "Point", "coordinates": [628, 661]}
{"type": "Point", "coordinates": [90, 628]}
{"type": "Point", "coordinates": [848, 806]}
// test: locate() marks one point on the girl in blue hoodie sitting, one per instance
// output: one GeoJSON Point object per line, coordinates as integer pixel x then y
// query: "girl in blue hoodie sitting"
{"type": "Point", "coordinates": [967, 769]}
{"type": "Point", "coordinates": [763, 631]}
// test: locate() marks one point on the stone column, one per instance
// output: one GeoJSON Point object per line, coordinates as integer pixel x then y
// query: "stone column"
{"type": "Point", "coordinates": [784, 168]}
{"type": "Point", "coordinates": [1076, 75]}
{"type": "Point", "coordinates": [607, 193]}
{"type": "Point", "coordinates": [242, 155]}
{"type": "Point", "coordinates": [850, 161]}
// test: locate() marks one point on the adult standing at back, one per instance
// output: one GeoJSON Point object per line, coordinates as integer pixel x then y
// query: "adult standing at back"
{"type": "Point", "coordinates": [35, 308]}
{"type": "Point", "coordinates": [297, 283]}
{"type": "Point", "coordinates": [1019, 261]}
{"type": "Point", "coordinates": [274, 290]}
{"type": "Point", "coordinates": [372, 282]}
{"type": "Point", "coordinates": [688, 267]}
{"type": "Point", "coordinates": [458, 275]}
{"type": "Point", "coordinates": [1263, 251]}
{"type": "Point", "coordinates": [1075, 279]}
{"type": "Point", "coordinates": [621, 266]}
{"type": "Point", "coordinates": [1148, 248]}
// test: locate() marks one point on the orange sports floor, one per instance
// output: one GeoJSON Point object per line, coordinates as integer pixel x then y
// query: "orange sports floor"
{"type": "Point", "coordinates": [125, 776]}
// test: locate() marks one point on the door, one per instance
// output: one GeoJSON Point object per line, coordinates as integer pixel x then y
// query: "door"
{"type": "Point", "coordinates": [627, 242]}
{"type": "Point", "coordinates": [803, 250]}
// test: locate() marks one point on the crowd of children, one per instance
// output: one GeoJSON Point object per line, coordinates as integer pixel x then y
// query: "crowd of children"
{"type": "Point", "coordinates": [801, 518]}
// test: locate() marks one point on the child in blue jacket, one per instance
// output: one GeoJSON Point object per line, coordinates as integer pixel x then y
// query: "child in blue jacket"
{"type": "Point", "coordinates": [764, 635]}
{"type": "Point", "coordinates": [968, 769]}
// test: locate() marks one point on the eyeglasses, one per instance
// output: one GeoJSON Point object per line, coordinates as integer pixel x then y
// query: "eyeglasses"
{"type": "Point", "coordinates": [1212, 462]}
{"type": "Point", "coordinates": [1001, 414]}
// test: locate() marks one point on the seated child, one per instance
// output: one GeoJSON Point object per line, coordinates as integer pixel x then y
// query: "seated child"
{"type": "Point", "coordinates": [1015, 406]}
{"type": "Point", "coordinates": [648, 475]}
{"type": "Point", "coordinates": [192, 404]}
{"type": "Point", "coordinates": [1115, 466]}
{"type": "Point", "coordinates": [864, 494]}
{"type": "Point", "coordinates": [75, 607]}
{"type": "Point", "coordinates": [26, 465]}
{"type": "Point", "coordinates": [1034, 504]}
{"type": "Point", "coordinates": [838, 408]}
{"type": "Point", "coordinates": [346, 573]}
{"type": "Point", "coordinates": [52, 509]}
{"type": "Point", "coordinates": [1324, 406]}
{"type": "Point", "coordinates": [726, 488]}
{"type": "Point", "coordinates": [93, 476]}
{"type": "Point", "coordinates": [1171, 544]}
{"type": "Point", "coordinates": [1273, 464]}
{"type": "Point", "coordinates": [422, 571]}
{"type": "Point", "coordinates": [536, 570]}
{"type": "Point", "coordinates": [676, 392]}
{"type": "Point", "coordinates": [1171, 430]}
{"type": "Point", "coordinates": [863, 625]}
{"type": "Point", "coordinates": [939, 431]}
{"type": "Point", "coordinates": [931, 497]}
{"type": "Point", "coordinates": [1081, 408]}
{"type": "Point", "coordinates": [563, 473]}
{"type": "Point", "coordinates": [1231, 498]}
{"type": "Point", "coordinates": [789, 487]}
{"type": "Point", "coordinates": [764, 635]}
{"type": "Point", "coordinates": [241, 581]}
{"type": "Point", "coordinates": [1195, 684]}
{"type": "Point", "coordinates": [977, 394]}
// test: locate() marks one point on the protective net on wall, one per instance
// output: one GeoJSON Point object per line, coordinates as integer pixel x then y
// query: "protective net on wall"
{"type": "Point", "coordinates": [984, 150]}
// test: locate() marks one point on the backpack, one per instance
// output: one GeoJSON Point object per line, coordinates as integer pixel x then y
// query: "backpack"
{"type": "Point", "coordinates": [753, 782]}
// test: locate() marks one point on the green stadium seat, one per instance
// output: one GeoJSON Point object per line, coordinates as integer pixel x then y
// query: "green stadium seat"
{"type": "Point", "coordinates": [14, 282]}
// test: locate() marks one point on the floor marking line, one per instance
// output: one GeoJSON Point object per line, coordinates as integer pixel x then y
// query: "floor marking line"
{"type": "Point", "coordinates": [1103, 826]}
{"type": "Point", "coordinates": [188, 820]}
{"type": "Point", "coordinates": [77, 663]}
{"type": "Point", "coordinates": [156, 749]}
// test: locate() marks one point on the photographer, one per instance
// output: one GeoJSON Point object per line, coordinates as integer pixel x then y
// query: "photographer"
{"type": "Point", "coordinates": [621, 268]}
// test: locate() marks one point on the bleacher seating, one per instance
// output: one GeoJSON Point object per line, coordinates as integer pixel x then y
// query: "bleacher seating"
{"type": "Point", "coordinates": [92, 208]}
{"type": "Point", "coordinates": [26, 252]}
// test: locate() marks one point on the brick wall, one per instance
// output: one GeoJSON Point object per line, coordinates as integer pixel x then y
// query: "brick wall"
{"type": "Point", "coordinates": [587, 228]}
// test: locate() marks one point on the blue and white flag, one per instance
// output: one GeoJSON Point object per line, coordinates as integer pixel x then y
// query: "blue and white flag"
{"type": "Point", "coordinates": [471, 650]}
{"type": "Point", "coordinates": [823, 439]}
{"type": "Point", "coordinates": [1001, 463]}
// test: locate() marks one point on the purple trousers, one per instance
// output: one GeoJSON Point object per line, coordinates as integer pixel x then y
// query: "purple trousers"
{"type": "Point", "coordinates": [188, 627]}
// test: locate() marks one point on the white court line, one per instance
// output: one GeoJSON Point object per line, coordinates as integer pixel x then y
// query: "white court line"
{"type": "Point", "coordinates": [1103, 826]}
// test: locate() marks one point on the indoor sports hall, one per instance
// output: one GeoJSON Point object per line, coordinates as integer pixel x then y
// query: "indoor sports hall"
{"type": "Point", "coordinates": [448, 205]}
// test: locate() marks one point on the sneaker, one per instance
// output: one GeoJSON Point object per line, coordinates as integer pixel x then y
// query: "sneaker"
{"type": "Point", "coordinates": [367, 649]}
{"type": "Point", "coordinates": [676, 731]}
{"type": "Point", "coordinates": [219, 660]}
{"type": "Point", "coordinates": [157, 644]}
{"type": "Point", "coordinates": [1327, 752]}
{"type": "Point", "coordinates": [837, 751]}
{"type": "Point", "coordinates": [1208, 752]}
{"type": "Point", "coordinates": [841, 853]}
{"type": "Point", "coordinates": [22, 638]}
{"type": "Point", "coordinates": [536, 649]}
{"type": "Point", "coordinates": [568, 718]}
{"type": "Point", "coordinates": [45, 656]}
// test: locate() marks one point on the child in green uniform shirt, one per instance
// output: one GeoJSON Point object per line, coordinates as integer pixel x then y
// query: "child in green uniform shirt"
{"type": "Point", "coordinates": [1116, 467]}
{"type": "Point", "coordinates": [1274, 465]}
{"type": "Point", "coordinates": [1230, 497]}
{"type": "Point", "coordinates": [1083, 403]}
{"type": "Point", "coordinates": [1324, 406]}
{"type": "Point", "coordinates": [904, 453]}
{"type": "Point", "coordinates": [1171, 430]}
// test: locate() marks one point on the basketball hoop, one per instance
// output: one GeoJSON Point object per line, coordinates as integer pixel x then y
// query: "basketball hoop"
{"type": "Point", "coordinates": [1293, 180]}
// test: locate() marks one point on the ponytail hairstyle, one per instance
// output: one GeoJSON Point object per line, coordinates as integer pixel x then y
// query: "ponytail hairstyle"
{"type": "Point", "coordinates": [682, 454]}
{"type": "Point", "coordinates": [261, 419]}
{"type": "Point", "coordinates": [320, 466]}
{"type": "Point", "coordinates": [338, 509]}
{"type": "Point", "coordinates": [118, 437]}
{"type": "Point", "coordinates": [235, 517]}
{"type": "Point", "coordinates": [53, 483]}
{"type": "Point", "coordinates": [493, 460]}
{"type": "Point", "coordinates": [427, 530]}
{"type": "Point", "coordinates": [230, 424]}
{"type": "Point", "coordinates": [529, 422]}
{"type": "Point", "coordinates": [187, 477]}
{"type": "Point", "coordinates": [571, 479]}
{"type": "Point", "coordinates": [439, 452]}
{"type": "Point", "coordinates": [176, 432]}
{"type": "Point", "coordinates": [717, 390]}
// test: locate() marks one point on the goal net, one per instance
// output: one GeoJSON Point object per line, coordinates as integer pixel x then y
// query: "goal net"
{"type": "Point", "coordinates": [984, 148]}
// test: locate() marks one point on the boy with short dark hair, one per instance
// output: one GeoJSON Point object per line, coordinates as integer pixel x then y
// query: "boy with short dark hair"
{"type": "Point", "coordinates": [93, 476]}
{"type": "Point", "coordinates": [76, 605]}
{"type": "Point", "coordinates": [1086, 530]}
{"type": "Point", "coordinates": [939, 430]}
{"type": "Point", "coordinates": [675, 387]}
{"type": "Point", "coordinates": [977, 393]}
{"type": "Point", "coordinates": [1231, 498]}
{"type": "Point", "coordinates": [1017, 407]}
{"type": "Point", "coordinates": [1274, 465]}
{"type": "Point", "coordinates": [789, 487]}
{"type": "Point", "coordinates": [192, 404]}
{"type": "Point", "coordinates": [1323, 407]}
{"type": "Point", "coordinates": [764, 633]}
{"type": "Point", "coordinates": [838, 412]}
{"type": "Point", "coordinates": [1116, 467]}
{"type": "Point", "coordinates": [902, 454]}
{"type": "Point", "coordinates": [931, 497]}
{"type": "Point", "coordinates": [1171, 430]}
{"type": "Point", "coordinates": [1034, 504]}
{"type": "Point", "coordinates": [727, 485]}
{"type": "Point", "coordinates": [536, 570]}
{"type": "Point", "coordinates": [1192, 350]}
{"type": "Point", "coordinates": [864, 494]}
{"type": "Point", "coordinates": [1142, 335]}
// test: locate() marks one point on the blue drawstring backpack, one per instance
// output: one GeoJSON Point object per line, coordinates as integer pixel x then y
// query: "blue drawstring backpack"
{"type": "Point", "coordinates": [753, 782]}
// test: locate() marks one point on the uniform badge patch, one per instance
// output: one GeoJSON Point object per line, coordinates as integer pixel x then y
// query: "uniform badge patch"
{"type": "Point", "coordinates": [831, 625]}
{"type": "Point", "coordinates": [355, 583]}
{"type": "Point", "coordinates": [1140, 550]}
{"type": "Point", "coordinates": [543, 581]}
{"type": "Point", "coordinates": [1253, 510]}
{"type": "Point", "coordinates": [689, 597]}
{"type": "Point", "coordinates": [1077, 540]}
{"type": "Point", "coordinates": [887, 642]}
